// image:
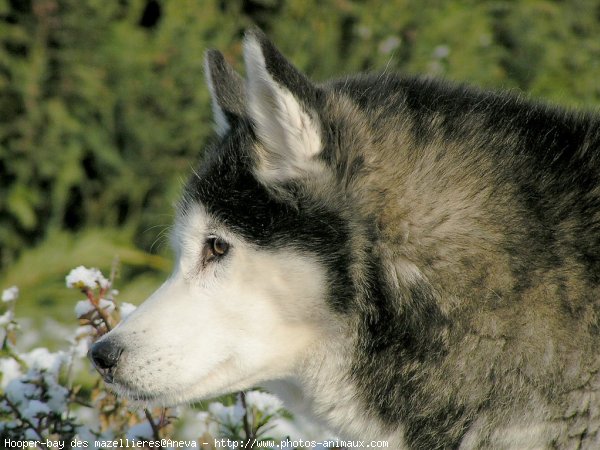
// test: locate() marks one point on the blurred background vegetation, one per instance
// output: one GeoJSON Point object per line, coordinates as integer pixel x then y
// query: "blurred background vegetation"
{"type": "Point", "coordinates": [103, 107]}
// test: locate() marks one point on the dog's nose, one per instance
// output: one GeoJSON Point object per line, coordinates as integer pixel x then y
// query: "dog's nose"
{"type": "Point", "coordinates": [105, 354]}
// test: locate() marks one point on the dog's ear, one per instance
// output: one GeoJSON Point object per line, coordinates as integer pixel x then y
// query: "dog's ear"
{"type": "Point", "coordinates": [281, 107]}
{"type": "Point", "coordinates": [227, 91]}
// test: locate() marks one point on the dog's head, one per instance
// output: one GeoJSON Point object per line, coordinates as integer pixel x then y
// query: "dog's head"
{"type": "Point", "coordinates": [263, 241]}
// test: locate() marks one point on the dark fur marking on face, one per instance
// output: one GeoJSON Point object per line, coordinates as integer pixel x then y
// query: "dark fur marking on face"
{"type": "Point", "coordinates": [226, 187]}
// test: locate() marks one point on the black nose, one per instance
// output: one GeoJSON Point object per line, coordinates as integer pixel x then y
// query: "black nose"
{"type": "Point", "coordinates": [105, 354]}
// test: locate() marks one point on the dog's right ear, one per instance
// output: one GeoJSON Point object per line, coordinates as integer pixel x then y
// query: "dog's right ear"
{"type": "Point", "coordinates": [282, 105]}
{"type": "Point", "coordinates": [227, 90]}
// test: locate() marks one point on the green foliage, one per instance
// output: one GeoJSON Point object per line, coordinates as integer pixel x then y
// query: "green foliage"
{"type": "Point", "coordinates": [101, 116]}
{"type": "Point", "coordinates": [103, 106]}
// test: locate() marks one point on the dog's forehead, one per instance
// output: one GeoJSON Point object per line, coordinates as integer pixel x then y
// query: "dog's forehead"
{"type": "Point", "coordinates": [230, 194]}
{"type": "Point", "coordinates": [195, 224]}
{"type": "Point", "coordinates": [227, 192]}
{"type": "Point", "coordinates": [194, 217]}
{"type": "Point", "coordinates": [223, 193]}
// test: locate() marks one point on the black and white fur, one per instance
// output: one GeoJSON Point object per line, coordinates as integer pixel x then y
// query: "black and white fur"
{"type": "Point", "coordinates": [404, 259]}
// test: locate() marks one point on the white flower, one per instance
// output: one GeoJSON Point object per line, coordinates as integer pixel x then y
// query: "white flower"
{"type": "Point", "coordinates": [86, 432]}
{"type": "Point", "coordinates": [81, 277]}
{"type": "Point", "coordinates": [41, 359]}
{"type": "Point", "coordinates": [204, 424]}
{"type": "Point", "coordinates": [227, 415]}
{"type": "Point", "coordinates": [82, 308]}
{"type": "Point", "coordinates": [81, 342]}
{"type": "Point", "coordinates": [267, 404]}
{"type": "Point", "coordinates": [6, 318]}
{"type": "Point", "coordinates": [83, 331]}
{"type": "Point", "coordinates": [31, 434]}
{"type": "Point", "coordinates": [19, 390]}
{"type": "Point", "coordinates": [34, 409]}
{"type": "Point", "coordinates": [58, 397]}
{"type": "Point", "coordinates": [81, 347]}
{"type": "Point", "coordinates": [9, 370]}
{"type": "Point", "coordinates": [106, 305]}
{"type": "Point", "coordinates": [10, 294]}
{"type": "Point", "coordinates": [140, 431]}
{"type": "Point", "coordinates": [127, 309]}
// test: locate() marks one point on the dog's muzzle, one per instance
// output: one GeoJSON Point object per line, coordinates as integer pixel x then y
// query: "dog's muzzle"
{"type": "Point", "coordinates": [105, 355]}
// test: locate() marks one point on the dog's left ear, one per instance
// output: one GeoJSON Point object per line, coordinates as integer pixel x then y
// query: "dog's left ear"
{"type": "Point", "coordinates": [226, 89]}
{"type": "Point", "coordinates": [281, 105]}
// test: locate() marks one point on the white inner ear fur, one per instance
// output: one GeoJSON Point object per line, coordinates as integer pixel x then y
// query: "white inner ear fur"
{"type": "Point", "coordinates": [221, 123]}
{"type": "Point", "coordinates": [290, 137]}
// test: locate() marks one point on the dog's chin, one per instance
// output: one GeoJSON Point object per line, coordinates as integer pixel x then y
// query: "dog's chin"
{"type": "Point", "coordinates": [209, 386]}
{"type": "Point", "coordinates": [137, 397]}
{"type": "Point", "coordinates": [143, 399]}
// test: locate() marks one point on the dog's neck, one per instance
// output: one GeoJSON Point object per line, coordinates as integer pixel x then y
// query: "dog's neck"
{"type": "Point", "coordinates": [324, 393]}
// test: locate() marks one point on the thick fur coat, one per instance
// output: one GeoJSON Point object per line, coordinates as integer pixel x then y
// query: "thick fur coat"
{"type": "Point", "coordinates": [421, 261]}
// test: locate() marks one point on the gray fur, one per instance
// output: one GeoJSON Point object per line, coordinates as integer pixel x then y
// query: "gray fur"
{"type": "Point", "coordinates": [459, 231]}
{"type": "Point", "coordinates": [476, 216]}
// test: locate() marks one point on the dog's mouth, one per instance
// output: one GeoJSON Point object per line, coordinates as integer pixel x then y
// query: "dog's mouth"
{"type": "Point", "coordinates": [131, 393]}
{"type": "Point", "coordinates": [128, 391]}
{"type": "Point", "coordinates": [108, 375]}
{"type": "Point", "coordinates": [131, 384]}
{"type": "Point", "coordinates": [119, 385]}
{"type": "Point", "coordinates": [122, 387]}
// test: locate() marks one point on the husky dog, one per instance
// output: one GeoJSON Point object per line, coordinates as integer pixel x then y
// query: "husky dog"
{"type": "Point", "coordinates": [402, 258]}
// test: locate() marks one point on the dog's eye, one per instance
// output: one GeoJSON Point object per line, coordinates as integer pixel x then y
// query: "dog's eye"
{"type": "Point", "coordinates": [215, 247]}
